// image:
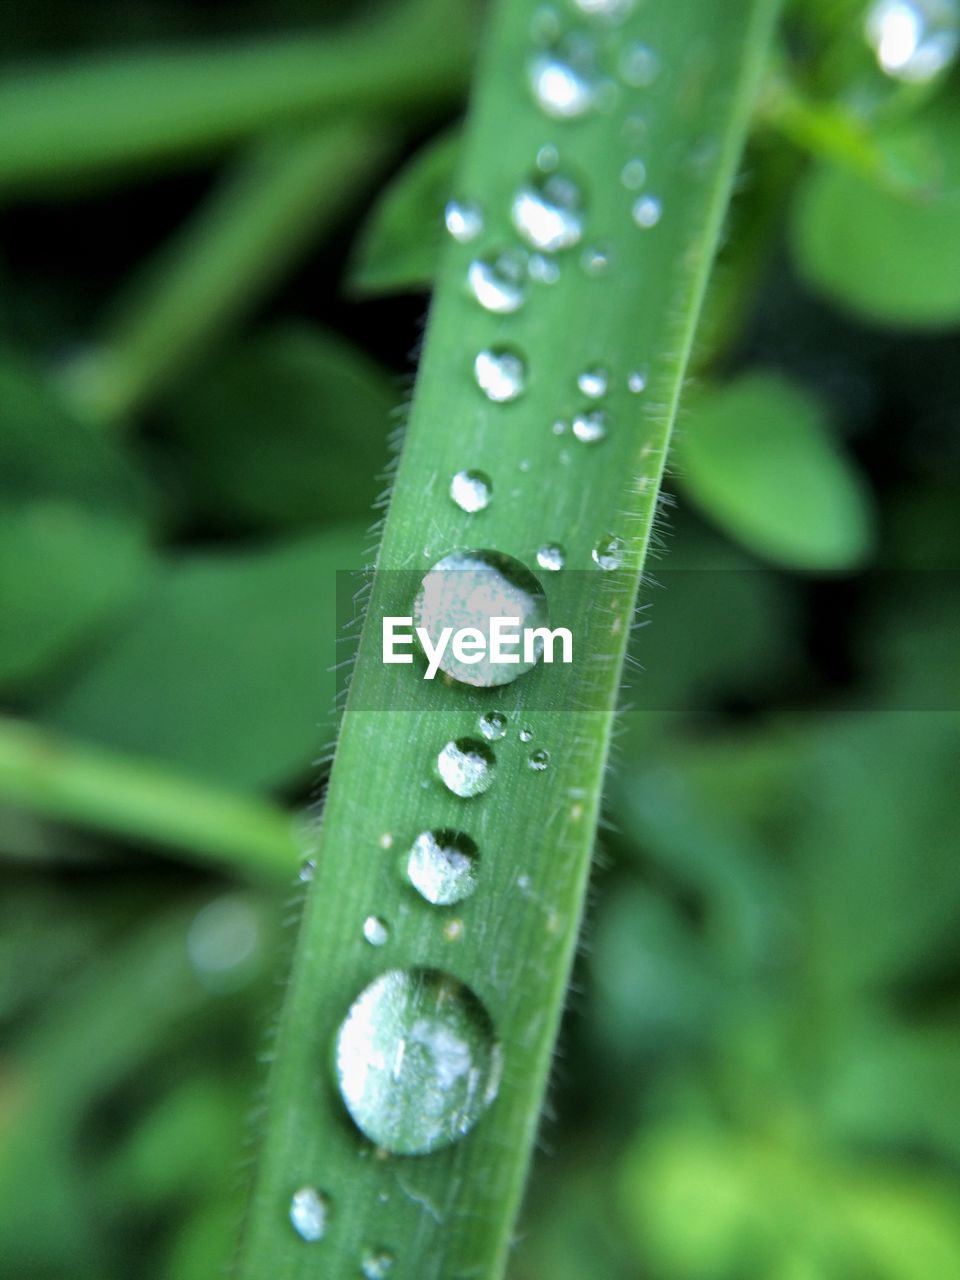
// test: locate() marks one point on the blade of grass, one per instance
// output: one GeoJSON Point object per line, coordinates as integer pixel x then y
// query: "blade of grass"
{"type": "Point", "coordinates": [51, 775]}
{"type": "Point", "coordinates": [265, 212]}
{"type": "Point", "coordinates": [144, 106]}
{"type": "Point", "coordinates": [450, 1213]}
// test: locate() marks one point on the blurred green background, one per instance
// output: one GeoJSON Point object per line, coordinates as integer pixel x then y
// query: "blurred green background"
{"type": "Point", "coordinates": [219, 223]}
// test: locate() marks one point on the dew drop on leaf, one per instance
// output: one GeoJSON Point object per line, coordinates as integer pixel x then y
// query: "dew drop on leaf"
{"type": "Point", "coordinates": [543, 270]}
{"type": "Point", "coordinates": [609, 552]}
{"type": "Point", "coordinates": [646, 212]}
{"type": "Point", "coordinates": [538, 761]}
{"type": "Point", "coordinates": [633, 174]}
{"type": "Point", "coordinates": [499, 283]}
{"type": "Point", "coordinates": [913, 40]}
{"type": "Point", "coordinates": [464, 222]}
{"type": "Point", "coordinates": [525, 734]}
{"type": "Point", "coordinates": [561, 90]}
{"type": "Point", "coordinates": [376, 1264]}
{"type": "Point", "coordinates": [309, 1211]}
{"type": "Point", "coordinates": [493, 725]}
{"type": "Point", "coordinates": [593, 383]}
{"type": "Point", "coordinates": [501, 374]}
{"type": "Point", "coordinates": [471, 490]}
{"type": "Point", "coordinates": [548, 157]}
{"type": "Point", "coordinates": [442, 866]}
{"type": "Point", "coordinates": [551, 556]}
{"type": "Point", "coordinates": [615, 10]}
{"type": "Point", "coordinates": [636, 381]}
{"type": "Point", "coordinates": [417, 1060]}
{"type": "Point", "coordinates": [639, 66]}
{"type": "Point", "coordinates": [547, 212]}
{"type": "Point", "coordinates": [595, 261]}
{"type": "Point", "coordinates": [590, 427]}
{"type": "Point", "coordinates": [376, 931]}
{"type": "Point", "coordinates": [466, 767]}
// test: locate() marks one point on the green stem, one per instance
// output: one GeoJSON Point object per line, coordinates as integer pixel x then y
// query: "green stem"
{"type": "Point", "coordinates": [449, 1214]}
{"type": "Point", "coordinates": [73, 782]}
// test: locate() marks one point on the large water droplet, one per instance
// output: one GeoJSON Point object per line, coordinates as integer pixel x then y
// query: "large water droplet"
{"type": "Point", "coordinates": [493, 725]}
{"type": "Point", "coordinates": [466, 767]}
{"type": "Point", "coordinates": [309, 1211]}
{"type": "Point", "coordinates": [639, 65]}
{"type": "Point", "coordinates": [463, 221]}
{"type": "Point", "coordinates": [471, 490]}
{"type": "Point", "coordinates": [609, 552]}
{"type": "Point", "coordinates": [417, 1060]}
{"type": "Point", "coordinates": [501, 374]}
{"type": "Point", "coordinates": [467, 590]}
{"type": "Point", "coordinates": [914, 40]}
{"type": "Point", "coordinates": [547, 212]}
{"type": "Point", "coordinates": [376, 1264]}
{"type": "Point", "coordinates": [499, 284]}
{"type": "Point", "coordinates": [442, 866]}
{"type": "Point", "coordinates": [551, 556]}
{"type": "Point", "coordinates": [590, 427]}
{"type": "Point", "coordinates": [646, 212]}
{"type": "Point", "coordinates": [376, 931]}
{"type": "Point", "coordinates": [561, 89]}
{"type": "Point", "coordinates": [593, 383]}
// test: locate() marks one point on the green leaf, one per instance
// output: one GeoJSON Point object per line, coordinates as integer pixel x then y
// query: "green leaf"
{"type": "Point", "coordinates": [287, 430]}
{"type": "Point", "coordinates": [399, 247]}
{"type": "Point", "coordinates": [886, 255]}
{"type": "Point", "coordinates": [757, 458]}
{"type": "Point", "coordinates": [225, 667]}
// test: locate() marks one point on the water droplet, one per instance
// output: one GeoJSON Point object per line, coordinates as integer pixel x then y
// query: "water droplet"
{"type": "Point", "coordinates": [223, 943]}
{"type": "Point", "coordinates": [538, 761]}
{"type": "Point", "coordinates": [609, 552]}
{"type": "Point", "coordinates": [590, 427]}
{"type": "Point", "coordinates": [525, 734]}
{"type": "Point", "coordinates": [547, 212]}
{"type": "Point", "coordinates": [376, 931]}
{"type": "Point", "coordinates": [307, 870]}
{"type": "Point", "coordinates": [463, 221]}
{"type": "Point", "coordinates": [453, 930]}
{"type": "Point", "coordinates": [562, 91]}
{"type": "Point", "coordinates": [637, 381]}
{"type": "Point", "coordinates": [616, 10]}
{"type": "Point", "coordinates": [466, 590]}
{"type": "Point", "coordinates": [309, 1210]}
{"type": "Point", "coordinates": [542, 269]}
{"type": "Point", "coordinates": [639, 66]}
{"type": "Point", "coordinates": [646, 212]}
{"type": "Point", "coordinates": [548, 157]}
{"type": "Point", "coordinates": [593, 383]}
{"type": "Point", "coordinates": [633, 174]}
{"type": "Point", "coordinates": [385, 841]}
{"type": "Point", "coordinates": [914, 40]}
{"type": "Point", "coordinates": [471, 490]}
{"type": "Point", "coordinates": [376, 1264]}
{"type": "Point", "coordinates": [493, 725]}
{"type": "Point", "coordinates": [501, 374]}
{"type": "Point", "coordinates": [551, 556]}
{"type": "Point", "coordinates": [498, 284]}
{"type": "Point", "coordinates": [442, 866]}
{"type": "Point", "coordinates": [466, 767]}
{"type": "Point", "coordinates": [595, 261]}
{"type": "Point", "coordinates": [417, 1060]}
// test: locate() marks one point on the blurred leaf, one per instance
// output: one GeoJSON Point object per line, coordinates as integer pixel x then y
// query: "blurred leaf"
{"type": "Point", "coordinates": [226, 666]}
{"type": "Point", "coordinates": [756, 456]}
{"type": "Point", "coordinates": [288, 430]}
{"type": "Point", "coordinates": [887, 256]}
{"type": "Point", "coordinates": [400, 243]}
{"type": "Point", "coordinates": [907, 1228]}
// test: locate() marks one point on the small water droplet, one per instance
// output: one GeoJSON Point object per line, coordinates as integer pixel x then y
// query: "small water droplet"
{"type": "Point", "coordinates": [471, 490]}
{"type": "Point", "coordinates": [525, 734]}
{"type": "Point", "coordinates": [551, 556]}
{"type": "Point", "coordinates": [499, 284]}
{"type": "Point", "coordinates": [548, 157]}
{"type": "Point", "coordinates": [385, 841]}
{"type": "Point", "coordinates": [376, 1264]}
{"type": "Point", "coordinates": [547, 212]}
{"type": "Point", "coordinates": [593, 383]}
{"type": "Point", "coordinates": [646, 212]}
{"type": "Point", "coordinates": [543, 270]}
{"type": "Point", "coordinates": [453, 930]}
{"type": "Point", "coordinates": [562, 90]}
{"type": "Point", "coordinates": [637, 381]}
{"type": "Point", "coordinates": [466, 767]}
{"type": "Point", "coordinates": [463, 221]}
{"type": "Point", "coordinates": [417, 1060]}
{"type": "Point", "coordinates": [442, 866]}
{"type": "Point", "coordinates": [559, 427]}
{"type": "Point", "coordinates": [493, 725]}
{"type": "Point", "coordinates": [309, 1211]}
{"type": "Point", "coordinates": [913, 40]}
{"type": "Point", "coordinates": [609, 552]}
{"type": "Point", "coordinates": [590, 427]}
{"type": "Point", "coordinates": [307, 870]}
{"type": "Point", "coordinates": [501, 374]}
{"type": "Point", "coordinates": [538, 761]}
{"type": "Point", "coordinates": [376, 931]}
{"type": "Point", "coordinates": [633, 174]}
{"type": "Point", "coordinates": [595, 261]}
{"type": "Point", "coordinates": [466, 590]}
{"type": "Point", "coordinates": [639, 66]}
{"type": "Point", "coordinates": [615, 10]}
